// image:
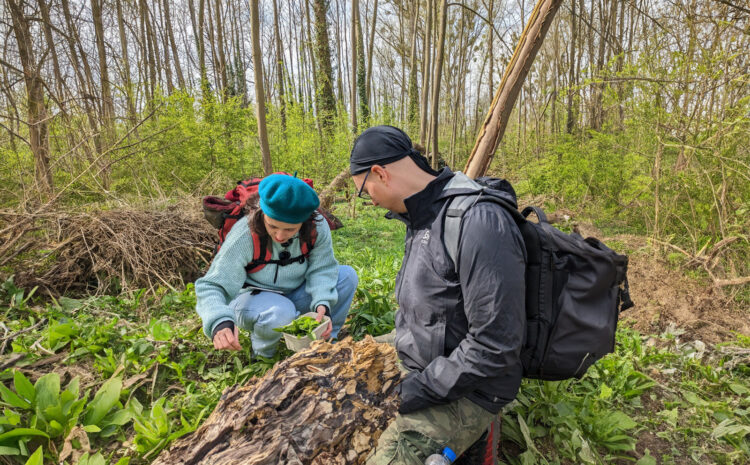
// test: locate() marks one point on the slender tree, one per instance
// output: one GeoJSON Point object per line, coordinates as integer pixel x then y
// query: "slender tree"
{"type": "Point", "coordinates": [172, 44]}
{"type": "Point", "coordinates": [37, 108]}
{"type": "Point", "coordinates": [413, 99]}
{"type": "Point", "coordinates": [364, 101]}
{"type": "Point", "coordinates": [222, 60]}
{"type": "Point", "coordinates": [201, 43]}
{"type": "Point", "coordinates": [353, 98]}
{"type": "Point", "coordinates": [426, 52]}
{"type": "Point", "coordinates": [437, 73]}
{"type": "Point", "coordinates": [49, 39]}
{"type": "Point", "coordinates": [370, 47]}
{"type": "Point", "coordinates": [570, 122]}
{"type": "Point", "coordinates": [260, 96]}
{"type": "Point", "coordinates": [279, 67]}
{"type": "Point", "coordinates": [127, 82]}
{"type": "Point", "coordinates": [108, 107]}
{"type": "Point", "coordinates": [324, 94]}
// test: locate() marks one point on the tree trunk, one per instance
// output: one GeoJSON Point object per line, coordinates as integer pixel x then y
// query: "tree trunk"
{"type": "Point", "coordinates": [506, 95]}
{"type": "Point", "coordinates": [173, 45]}
{"type": "Point", "coordinates": [205, 87]}
{"type": "Point", "coordinates": [326, 405]}
{"type": "Point", "coordinates": [353, 94]}
{"type": "Point", "coordinates": [164, 39]}
{"type": "Point", "coordinates": [279, 67]}
{"type": "Point", "coordinates": [38, 129]}
{"type": "Point", "coordinates": [426, 53]}
{"type": "Point", "coordinates": [491, 46]}
{"type": "Point", "coordinates": [370, 46]}
{"type": "Point", "coordinates": [364, 103]}
{"type": "Point", "coordinates": [260, 97]}
{"type": "Point", "coordinates": [313, 65]}
{"type": "Point", "coordinates": [85, 82]}
{"type": "Point", "coordinates": [438, 72]}
{"type": "Point", "coordinates": [413, 111]}
{"type": "Point", "coordinates": [151, 52]}
{"type": "Point", "coordinates": [324, 95]}
{"type": "Point", "coordinates": [570, 122]}
{"type": "Point", "coordinates": [127, 82]}
{"type": "Point", "coordinates": [108, 108]}
{"type": "Point", "coordinates": [222, 71]}
{"type": "Point", "coordinates": [341, 94]}
{"type": "Point", "coordinates": [59, 82]}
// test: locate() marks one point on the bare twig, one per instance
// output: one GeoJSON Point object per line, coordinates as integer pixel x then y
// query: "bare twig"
{"type": "Point", "coordinates": [10, 338]}
{"type": "Point", "coordinates": [732, 282]}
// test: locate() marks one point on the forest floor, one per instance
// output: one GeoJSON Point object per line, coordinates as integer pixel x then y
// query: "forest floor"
{"type": "Point", "coordinates": [667, 296]}
{"type": "Point", "coordinates": [676, 390]}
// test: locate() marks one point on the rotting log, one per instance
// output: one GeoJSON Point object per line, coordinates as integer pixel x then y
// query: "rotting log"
{"type": "Point", "coordinates": [507, 93]}
{"type": "Point", "coordinates": [328, 194]}
{"type": "Point", "coordinates": [327, 404]}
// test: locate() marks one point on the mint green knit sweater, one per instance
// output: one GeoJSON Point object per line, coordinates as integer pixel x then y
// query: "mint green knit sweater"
{"type": "Point", "coordinates": [226, 276]}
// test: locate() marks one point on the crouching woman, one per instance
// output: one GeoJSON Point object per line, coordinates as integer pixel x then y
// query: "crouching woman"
{"type": "Point", "coordinates": [295, 271]}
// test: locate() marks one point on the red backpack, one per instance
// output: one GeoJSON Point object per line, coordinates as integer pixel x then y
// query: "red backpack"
{"type": "Point", "coordinates": [224, 212]}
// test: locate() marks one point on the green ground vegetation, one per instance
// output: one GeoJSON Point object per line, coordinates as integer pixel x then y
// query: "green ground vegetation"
{"type": "Point", "coordinates": [126, 375]}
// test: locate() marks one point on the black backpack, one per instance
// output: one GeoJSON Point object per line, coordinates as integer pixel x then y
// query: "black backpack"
{"type": "Point", "coordinates": [575, 287]}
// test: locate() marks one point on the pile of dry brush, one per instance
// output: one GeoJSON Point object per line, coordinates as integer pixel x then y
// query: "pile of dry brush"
{"type": "Point", "coordinates": [104, 251]}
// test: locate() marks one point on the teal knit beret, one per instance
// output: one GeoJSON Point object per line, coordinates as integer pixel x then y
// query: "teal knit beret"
{"type": "Point", "coordinates": [286, 198]}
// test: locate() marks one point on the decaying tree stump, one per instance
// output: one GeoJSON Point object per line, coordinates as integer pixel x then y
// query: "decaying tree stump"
{"type": "Point", "coordinates": [327, 404]}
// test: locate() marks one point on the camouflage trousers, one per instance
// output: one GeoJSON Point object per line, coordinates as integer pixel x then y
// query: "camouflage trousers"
{"type": "Point", "coordinates": [411, 438]}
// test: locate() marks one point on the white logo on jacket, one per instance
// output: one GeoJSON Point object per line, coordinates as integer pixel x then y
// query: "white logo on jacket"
{"type": "Point", "coordinates": [426, 237]}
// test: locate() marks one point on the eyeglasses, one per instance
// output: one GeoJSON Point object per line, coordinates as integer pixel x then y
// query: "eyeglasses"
{"type": "Point", "coordinates": [362, 194]}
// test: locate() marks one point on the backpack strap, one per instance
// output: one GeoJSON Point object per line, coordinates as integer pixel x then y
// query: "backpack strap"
{"type": "Point", "coordinates": [262, 256]}
{"type": "Point", "coordinates": [452, 227]}
{"type": "Point", "coordinates": [469, 192]}
{"type": "Point", "coordinates": [307, 248]}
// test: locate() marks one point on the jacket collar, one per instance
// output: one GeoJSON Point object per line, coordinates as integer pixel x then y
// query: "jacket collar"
{"type": "Point", "coordinates": [423, 207]}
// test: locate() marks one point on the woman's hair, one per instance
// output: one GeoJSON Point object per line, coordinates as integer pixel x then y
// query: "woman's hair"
{"type": "Point", "coordinates": [258, 226]}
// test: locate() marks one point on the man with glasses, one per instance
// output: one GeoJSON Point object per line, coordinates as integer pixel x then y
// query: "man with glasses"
{"type": "Point", "coordinates": [459, 327]}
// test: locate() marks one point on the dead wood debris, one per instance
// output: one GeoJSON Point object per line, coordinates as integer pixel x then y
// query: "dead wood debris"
{"type": "Point", "coordinates": [325, 405]}
{"type": "Point", "coordinates": [104, 251]}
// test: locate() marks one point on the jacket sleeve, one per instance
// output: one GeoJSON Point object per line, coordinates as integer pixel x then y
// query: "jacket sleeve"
{"type": "Point", "coordinates": [491, 265]}
{"type": "Point", "coordinates": [323, 270]}
{"type": "Point", "coordinates": [224, 279]}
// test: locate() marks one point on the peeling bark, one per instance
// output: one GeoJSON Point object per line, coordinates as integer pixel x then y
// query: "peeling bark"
{"type": "Point", "coordinates": [325, 405]}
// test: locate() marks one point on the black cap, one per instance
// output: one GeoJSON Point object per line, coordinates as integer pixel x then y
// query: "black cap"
{"type": "Point", "coordinates": [381, 145]}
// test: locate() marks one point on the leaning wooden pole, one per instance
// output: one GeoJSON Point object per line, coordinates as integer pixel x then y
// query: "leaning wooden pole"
{"type": "Point", "coordinates": [507, 93]}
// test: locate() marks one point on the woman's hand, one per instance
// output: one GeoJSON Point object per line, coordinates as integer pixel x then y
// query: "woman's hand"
{"type": "Point", "coordinates": [321, 311]}
{"type": "Point", "coordinates": [227, 339]}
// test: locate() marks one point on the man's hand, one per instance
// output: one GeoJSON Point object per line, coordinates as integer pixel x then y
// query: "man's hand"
{"type": "Point", "coordinates": [227, 339]}
{"type": "Point", "coordinates": [321, 311]}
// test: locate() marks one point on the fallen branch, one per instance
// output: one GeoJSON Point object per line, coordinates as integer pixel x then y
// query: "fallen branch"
{"type": "Point", "coordinates": [732, 282]}
{"type": "Point", "coordinates": [329, 193]}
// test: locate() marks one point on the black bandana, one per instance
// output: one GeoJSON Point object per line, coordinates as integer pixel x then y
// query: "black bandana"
{"type": "Point", "coordinates": [381, 145]}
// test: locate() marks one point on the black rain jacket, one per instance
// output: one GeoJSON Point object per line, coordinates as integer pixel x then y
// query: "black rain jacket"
{"type": "Point", "coordinates": [460, 329]}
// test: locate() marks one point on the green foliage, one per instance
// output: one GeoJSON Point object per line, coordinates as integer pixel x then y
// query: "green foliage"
{"type": "Point", "coordinates": [153, 376]}
{"type": "Point", "coordinates": [52, 414]}
{"type": "Point", "coordinates": [154, 430]}
{"type": "Point", "coordinates": [14, 297]}
{"type": "Point", "coordinates": [602, 417]}
{"type": "Point", "coordinates": [300, 327]}
{"type": "Point", "coordinates": [374, 315]}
